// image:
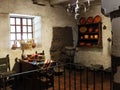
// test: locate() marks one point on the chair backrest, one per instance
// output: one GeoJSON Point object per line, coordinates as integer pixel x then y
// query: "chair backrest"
{"type": "Point", "coordinates": [4, 64]}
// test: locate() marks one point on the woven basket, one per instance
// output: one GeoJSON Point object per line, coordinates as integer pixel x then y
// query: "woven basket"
{"type": "Point", "coordinates": [25, 46]}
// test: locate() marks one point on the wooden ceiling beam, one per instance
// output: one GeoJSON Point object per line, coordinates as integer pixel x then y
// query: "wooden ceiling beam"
{"type": "Point", "coordinates": [56, 2]}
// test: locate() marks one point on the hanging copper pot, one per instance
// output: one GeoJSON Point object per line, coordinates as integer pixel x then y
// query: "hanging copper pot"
{"type": "Point", "coordinates": [14, 46]}
{"type": "Point", "coordinates": [33, 44]}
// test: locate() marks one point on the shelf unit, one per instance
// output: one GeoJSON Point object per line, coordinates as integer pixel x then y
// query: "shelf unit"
{"type": "Point", "coordinates": [90, 35]}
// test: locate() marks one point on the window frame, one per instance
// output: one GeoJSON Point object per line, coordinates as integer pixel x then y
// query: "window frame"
{"type": "Point", "coordinates": [21, 29]}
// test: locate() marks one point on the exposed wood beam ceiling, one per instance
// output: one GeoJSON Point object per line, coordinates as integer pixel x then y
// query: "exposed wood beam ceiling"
{"type": "Point", "coordinates": [51, 2]}
{"type": "Point", "coordinates": [40, 2]}
{"type": "Point", "coordinates": [62, 2]}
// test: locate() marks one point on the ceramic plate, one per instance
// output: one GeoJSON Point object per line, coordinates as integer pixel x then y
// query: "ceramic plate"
{"type": "Point", "coordinates": [82, 20]}
{"type": "Point", "coordinates": [97, 19]}
{"type": "Point", "coordinates": [83, 29]}
{"type": "Point", "coordinates": [90, 20]}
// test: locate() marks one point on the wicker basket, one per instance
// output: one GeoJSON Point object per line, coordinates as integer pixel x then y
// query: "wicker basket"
{"type": "Point", "coordinates": [25, 46]}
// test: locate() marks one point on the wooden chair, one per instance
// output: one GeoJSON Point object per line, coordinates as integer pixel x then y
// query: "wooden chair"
{"type": "Point", "coordinates": [5, 72]}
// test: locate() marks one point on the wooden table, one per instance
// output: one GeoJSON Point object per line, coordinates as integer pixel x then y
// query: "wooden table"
{"type": "Point", "coordinates": [37, 77]}
{"type": "Point", "coordinates": [26, 65]}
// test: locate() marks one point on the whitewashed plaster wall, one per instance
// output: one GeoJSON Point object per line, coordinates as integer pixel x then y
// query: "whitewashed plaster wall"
{"type": "Point", "coordinates": [96, 56]}
{"type": "Point", "coordinates": [50, 16]}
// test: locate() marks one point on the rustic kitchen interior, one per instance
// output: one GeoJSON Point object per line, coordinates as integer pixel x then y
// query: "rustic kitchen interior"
{"type": "Point", "coordinates": [78, 39]}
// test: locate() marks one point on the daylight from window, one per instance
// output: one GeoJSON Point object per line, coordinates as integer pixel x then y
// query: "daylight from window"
{"type": "Point", "coordinates": [24, 27]}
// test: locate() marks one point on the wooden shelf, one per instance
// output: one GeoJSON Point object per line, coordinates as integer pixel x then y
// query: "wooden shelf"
{"type": "Point", "coordinates": [90, 35]}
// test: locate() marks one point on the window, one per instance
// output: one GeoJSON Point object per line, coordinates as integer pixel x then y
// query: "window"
{"type": "Point", "coordinates": [21, 28]}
